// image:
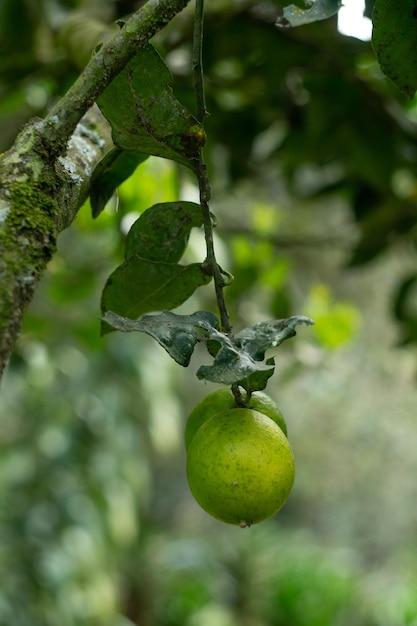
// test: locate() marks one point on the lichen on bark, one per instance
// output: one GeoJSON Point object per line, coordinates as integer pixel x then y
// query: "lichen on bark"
{"type": "Point", "coordinates": [39, 197]}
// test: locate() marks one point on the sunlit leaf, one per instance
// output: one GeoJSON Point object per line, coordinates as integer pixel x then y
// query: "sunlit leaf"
{"type": "Point", "coordinates": [161, 233]}
{"type": "Point", "coordinates": [175, 333]}
{"type": "Point", "coordinates": [151, 120]}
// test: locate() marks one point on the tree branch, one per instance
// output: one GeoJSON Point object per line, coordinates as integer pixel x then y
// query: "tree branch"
{"type": "Point", "coordinates": [45, 177]}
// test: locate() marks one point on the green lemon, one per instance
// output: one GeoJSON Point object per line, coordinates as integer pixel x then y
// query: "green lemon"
{"type": "Point", "coordinates": [222, 399]}
{"type": "Point", "coordinates": [240, 467]}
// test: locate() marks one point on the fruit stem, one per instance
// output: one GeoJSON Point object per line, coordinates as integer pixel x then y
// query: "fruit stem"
{"type": "Point", "coordinates": [240, 401]}
{"type": "Point", "coordinates": [203, 181]}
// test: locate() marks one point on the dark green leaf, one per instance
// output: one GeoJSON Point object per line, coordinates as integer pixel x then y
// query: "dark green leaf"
{"type": "Point", "coordinates": [111, 172]}
{"type": "Point", "coordinates": [404, 309]}
{"type": "Point", "coordinates": [230, 364]}
{"type": "Point", "coordinates": [255, 340]}
{"type": "Point", "coordinates": [151, 120]}
{"type": "Point", "coordinates": [405, 298]}
{"type": "Point", "coordinates": [161, 233]}
{"type": "Point", "coordinates": [139, 286]}
{"type": "Point", "coordinates": [369, 5]}
{"type": "Point", "coordinates": [394, 41]}
{"type": "Point", "coordinates": [175, 333]}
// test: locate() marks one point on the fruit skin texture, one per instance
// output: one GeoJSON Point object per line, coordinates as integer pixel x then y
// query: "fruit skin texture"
{"type": "Point", "coordinates": [240, 467]}
{"type": "Point", "coordinates": [222, 399]}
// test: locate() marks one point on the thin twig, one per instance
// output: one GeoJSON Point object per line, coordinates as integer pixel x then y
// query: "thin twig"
{"type": "Point", "coordinates": [198, 62]}
{"type": "Point", "coordinates": [203, 181]}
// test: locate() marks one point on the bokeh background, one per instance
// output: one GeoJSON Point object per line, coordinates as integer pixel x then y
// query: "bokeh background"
{"type": "Point", "coordinates": [313, 160]}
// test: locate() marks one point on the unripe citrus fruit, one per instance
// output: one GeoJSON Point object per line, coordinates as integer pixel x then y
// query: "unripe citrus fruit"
{"type": "Point", "coordinates": [240, 467]}
{"type": "Point", "coordinates": [222, 399]}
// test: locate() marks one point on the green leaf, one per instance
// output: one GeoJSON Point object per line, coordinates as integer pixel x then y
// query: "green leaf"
{"type": "Point", "coordinates": [140, 285]}
{"type": "Point", "coordinates": [112, 171]}
{"type": "Point", "coordinates": [154, 245]}
{"type": "Point", "coordinates": [242, 361]}
{"type": "Point", "coordinates": [150, 120]}
{"type": "Point", "coordinates": [394, 41]}
{"type": "Point", "coordinates": [369, 5]}
{"type": "Point", "coordinates": [230, 364]}
{"type": "Point", "coordinates": [175, 333]}
{"type": "Point", "coordinates": [255, 340]}
{"type": "Point", "coordinates": [161, 233]}
{"type": "Point", "coordinates": [258, 380]}
{"type": "Point", "coordinates": [320, 10]}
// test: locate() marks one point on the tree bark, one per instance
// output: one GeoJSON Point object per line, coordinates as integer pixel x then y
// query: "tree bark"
{"type": "Point", "coordinates": [45, 177]}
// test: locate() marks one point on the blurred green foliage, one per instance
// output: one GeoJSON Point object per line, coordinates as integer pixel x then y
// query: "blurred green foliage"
{"type": "Point", "coordinates": [312, 159]}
